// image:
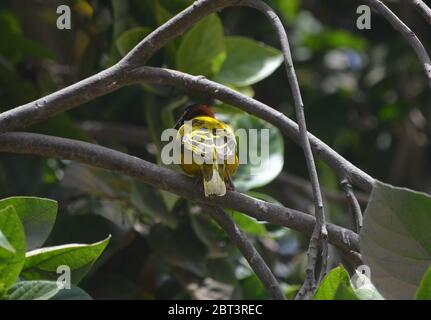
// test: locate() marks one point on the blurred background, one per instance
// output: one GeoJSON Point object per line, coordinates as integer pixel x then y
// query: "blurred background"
{"type": "Point", "coordinates": [364, 91]}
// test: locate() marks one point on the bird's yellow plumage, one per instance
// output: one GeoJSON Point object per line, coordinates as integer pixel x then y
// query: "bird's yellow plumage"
{"type": "Point", "coordinates": [212, 145]}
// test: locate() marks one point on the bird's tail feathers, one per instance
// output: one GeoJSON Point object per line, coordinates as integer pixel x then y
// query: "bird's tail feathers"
{"type": "Point", "coordinates": [214, 184]}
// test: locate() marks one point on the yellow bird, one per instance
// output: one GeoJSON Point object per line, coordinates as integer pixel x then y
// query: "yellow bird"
{"type": "Point", "coordinates": [208, 148]}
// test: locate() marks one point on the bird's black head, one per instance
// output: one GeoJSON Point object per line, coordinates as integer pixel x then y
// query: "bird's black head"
{"type": "Point", "coordinates": [193, 111]}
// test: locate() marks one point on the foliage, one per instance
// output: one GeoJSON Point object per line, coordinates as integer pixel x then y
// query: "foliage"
{"type": "Point", "coordinates": [31, 275]}
{"type": "Point", "coordinates": [396, 230]}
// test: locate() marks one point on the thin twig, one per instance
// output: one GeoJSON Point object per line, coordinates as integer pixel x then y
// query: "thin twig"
{"type": "Point", "coordinates": [423, 9]}
{"type": "Point", "coordinates": [256, 262]}
{"type": "Point", "coordinates": [169, 180]}
{"type": "Point", "coordinates": [303, 186]}
{"type": "Point", "coordinates": [407, 33]}
{"type": "Point", "coordinates": [319, 237]}
{"type": "Point", "coordinates": [354, 206]}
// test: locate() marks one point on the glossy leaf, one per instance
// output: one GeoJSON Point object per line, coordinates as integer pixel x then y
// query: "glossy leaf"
{"type": "Point", "coordinates": [130, 38]}
{"type": "Point", "coordinates": [5, 244]}
{"type": "Point", "coordinates": [424, 290]}
{"type": "Point", "coordinates": [248, 62]}
{"type": "Point", "coordinates": [335, 286]}
{"type": "Point", "coordinates": [37, 216]}
{"type": "Point", "coordinates": [33, 290]}
{"type": "Point", "coordinates": [11, 263]}
{"type": "Point", "coordinates": [248, 224]}
{"type": "Point", "coordinates": [43, 263]}
{"type": "Point", "coordinates": [259, 168]}
{"type": "Point", "coordinates": [202, 51]}
{"type": "Point", "coordinates": [395, 239]}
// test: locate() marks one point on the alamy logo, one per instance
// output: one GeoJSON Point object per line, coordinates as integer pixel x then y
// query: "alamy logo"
{"type": "Point", "coordinates": [364, 20]}
{"type": "Point", "coordinates": [64, 280]}
{"type": "Point", "coordinates": [64, 20]}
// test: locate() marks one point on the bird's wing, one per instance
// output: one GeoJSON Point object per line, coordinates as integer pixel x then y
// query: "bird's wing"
{"type": "Point", "coordinates": [210, 141]}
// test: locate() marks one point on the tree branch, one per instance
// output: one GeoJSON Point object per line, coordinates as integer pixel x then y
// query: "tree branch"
{"type": "Point", "coordinates": [303, 186]}
{"type": "Point", "coordinates": [169, 180]}
{"type": "Point", "coordinates": [287, 126]}
{"type": "Point", "coordinates": [407, 33]}
{"type": "Point", "coordinates": [355, 208]}
{"type": "Point", "coordinates": [248, 251]}
{"type": "Point", "coordinates": [423, 9]}
{"type": "Point", "coordinates": [320, 235]}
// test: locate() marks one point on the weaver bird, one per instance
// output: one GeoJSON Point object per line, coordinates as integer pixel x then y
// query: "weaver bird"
{"type": "Point", "coordinates": [208, 148]}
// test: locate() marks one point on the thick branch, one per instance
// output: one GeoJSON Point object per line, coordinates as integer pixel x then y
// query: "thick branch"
{"type": "Point", "coordinates": [248, 251]}
{"type": "Point", "coordinates": [166, 179]}
{"type": "Point", "coordinates": [97, 85]}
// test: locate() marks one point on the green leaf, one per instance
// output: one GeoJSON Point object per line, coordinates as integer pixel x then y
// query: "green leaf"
{"type": "Point", "coordinates": [11, 263]}
{"type": "Point", "coordinates": [33, 290]}
{"type": "Point", "coordinates": [5, 244]}
{"type": "Point", "coordinates": [43, 263]}
{"type": "Point", "coordinates": [202, 50]}
{"type": "Point", "coordinates": [74, 293]}
{"type": "Point", "coordinates": [120, 10]}
{"type": "Point", "coordinates": [15, 47]}
{"type": "Point", "coordinates": [424, 291]}
{"type": "Point", "coordinates": [395, 239]}
{"type": "Point", "coordinates": [248, 62]}
{"type": "Point", "coordinates": [331, 39]}
{"type": "Point", "coordinates": [248, 224]}
{"type": "Point", "coordinates": [253, 289]}
{"type": "Point", "coordinates": [37, 216]}
{"type": "Point", "coordinates": [130, 38]}
{"type": "Point", "coordinates": [288, 9]}
{"type": "Point", "coordinates": [260, 169]}
{"type": "Point", "coordinates": [336, 286]}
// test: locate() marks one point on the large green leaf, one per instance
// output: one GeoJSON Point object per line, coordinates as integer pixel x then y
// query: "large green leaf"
{"type": "Point", "coordinates": [36, 214]}
{"type": "Point", "coordinates": [202, 51]}
{"type": "Point", "coordinates": [259, 169]}
{"type": "Point", "coordinates": [33, 290]}
{"type": "Point", "coordinates": [43, 263]}
{"type": "Point", "coordinates": [130, 38]}
{"type": "Point", "coordinates": [11, 262]}
{"type": "Point", "coordinates": [396, 239]}
{"type": "Point", "coordinates": [248, 62]}
{"type": "Point", "coordinates": [336, 286]}
{"type": "Point", "coordinates": [424, 291]}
